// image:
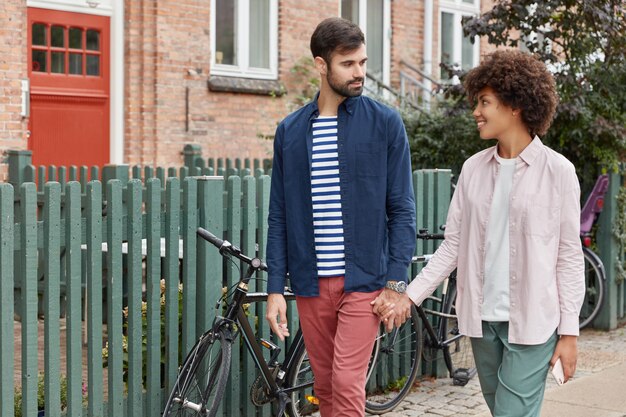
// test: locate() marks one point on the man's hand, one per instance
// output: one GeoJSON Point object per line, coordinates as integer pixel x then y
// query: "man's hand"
{"type": "Point", "coordinates": [392, 308]}
{"type": "Point", "coordinates": [567, 350]}
{"type": "Point", "coordinates": [277, 307]}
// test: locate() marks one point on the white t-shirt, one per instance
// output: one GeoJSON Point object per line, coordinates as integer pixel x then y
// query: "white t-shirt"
{"type": "Point", "coordinates": [496, 280]}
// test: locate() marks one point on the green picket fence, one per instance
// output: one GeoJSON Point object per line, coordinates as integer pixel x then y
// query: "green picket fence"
{"type": "Point", "coordinates": [65, 249]}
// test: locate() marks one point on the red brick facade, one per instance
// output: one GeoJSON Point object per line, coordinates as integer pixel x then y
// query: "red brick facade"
{"type": "Point", "coordinates": [167, 102]}
{"type": "Point", "coordinates": [13, 128]}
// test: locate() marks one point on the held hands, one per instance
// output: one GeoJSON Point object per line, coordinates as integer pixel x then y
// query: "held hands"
{"type": "Point", "coordinates": [567, 350]}
{"type": "Point", "coordinates": [392, 308]}
{"type": "Point", "coordinates": [277, 307]}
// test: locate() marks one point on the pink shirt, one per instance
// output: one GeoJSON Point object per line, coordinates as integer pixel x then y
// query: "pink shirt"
{"type": "Point", "coordinates": [546, 279]}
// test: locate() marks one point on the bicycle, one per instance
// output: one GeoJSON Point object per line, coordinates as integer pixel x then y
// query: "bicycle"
{"type": "Point", "coordinates": [397, 355]}
{"type": "Point", "coordinates": [595, 274]}
{"type": "Point", "coordinates": [202, 378]}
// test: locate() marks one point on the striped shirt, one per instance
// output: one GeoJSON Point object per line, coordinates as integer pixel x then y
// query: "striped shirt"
{"type": "Point", "coordinates": [325, 190]}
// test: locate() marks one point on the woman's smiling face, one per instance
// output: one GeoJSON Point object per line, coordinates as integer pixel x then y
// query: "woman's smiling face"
{"type": "Point", "coordinates": [493, 117]}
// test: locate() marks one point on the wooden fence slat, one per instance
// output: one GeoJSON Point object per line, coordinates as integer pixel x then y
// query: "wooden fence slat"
{"type": "Point", "coordinates": [210, 270]}
{"type": "Point", "coordinates": [153, 284]}
{"type": "Point", "coordinates": [172, 279]}
{"type": "Point", "coordinates": [248, 245]}
{"type": "Point", "coordinates": [94, 298]}
{"type": "Point", "coordinates": [263, 199]}
{"type": "Point", "coordinates": [114, 297]}
{"type": "Point", "coordinates": [51, 255]}
{"type": "Point", "coordinates": [6, 295]}
{"type": "Point", "coordinates": [28, 231]}
{"type": "Point", "coordinates": [233, 229]}
{"type": "Point", "coordinates": [73, 294]}
{"type": "Point", "coordinates": [190, 222]}
{"type": "Point", "coordinates": [134, 279]}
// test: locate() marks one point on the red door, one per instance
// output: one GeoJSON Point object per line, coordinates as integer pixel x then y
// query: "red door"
{"type": "Point", "coordinates": [68, 67]}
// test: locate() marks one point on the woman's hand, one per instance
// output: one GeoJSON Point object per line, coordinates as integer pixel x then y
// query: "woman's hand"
{"type": "Point", "coordinates": [567, 350]}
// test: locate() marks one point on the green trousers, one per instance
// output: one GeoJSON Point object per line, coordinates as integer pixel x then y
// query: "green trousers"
{"type": "Point", "coordinates": [512, 377]}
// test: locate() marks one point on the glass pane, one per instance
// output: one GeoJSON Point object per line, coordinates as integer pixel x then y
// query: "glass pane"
{"type": "Point", "coordinates": [39, 61]}
{"type": "Point", "coordinates": [39, 34]}
{"type": "Point", "coordinates": [93, 65]}
{"type": "Point", "coordinates": [350, 10]}
{"type": "Point", "coordinates": [93, 40]}
{"type": "Point", "coordinates": [467, 53]}
{"type": "Point", "coordinates": [375, 38]}
{"type": "Point", "coordinates": [225, 32]}
{"type": "Point", "coordinates": [76, 64]}
{"type": "Point", "coordinates": [469, 1]}
{"type": "Point", "coordinates": [76, 38]}
{"type": "Point", "coordinates": [57, 65]}
{"type": "Point", "coordinates": [260, 33]}
{"type": "Point", "coordinates": [447, 44]}
{"type": "Point", "coordinates": [56, 37]}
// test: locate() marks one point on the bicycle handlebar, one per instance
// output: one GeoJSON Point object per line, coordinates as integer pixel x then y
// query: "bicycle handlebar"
{"type": "Point", "coordinates": [225, 247]}
{"type": "Point", "coordinates": [424, 235]}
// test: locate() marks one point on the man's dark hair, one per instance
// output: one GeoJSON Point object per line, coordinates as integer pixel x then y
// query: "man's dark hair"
{"type": "Point", "coordinates": [520, 81]}
{"type": "Point", "coordinates": [335, 35]}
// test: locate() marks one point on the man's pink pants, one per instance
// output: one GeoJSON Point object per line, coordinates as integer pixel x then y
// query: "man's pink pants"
{"type": "Point", "coordinates": [339, 331]}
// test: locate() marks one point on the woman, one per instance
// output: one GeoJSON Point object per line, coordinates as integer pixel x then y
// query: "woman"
{"type": "Point", "coordinates": [512, 232]}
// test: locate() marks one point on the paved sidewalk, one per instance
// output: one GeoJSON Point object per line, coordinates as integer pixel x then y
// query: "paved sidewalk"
{"type": "Point", "coordinates": [598, 389]}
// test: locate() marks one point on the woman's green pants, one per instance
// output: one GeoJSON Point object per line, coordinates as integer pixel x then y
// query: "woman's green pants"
{"type": "Point", "coordinates": [512, 377]}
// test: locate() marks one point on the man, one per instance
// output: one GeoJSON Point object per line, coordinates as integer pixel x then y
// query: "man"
{"type": "Point", "coordinates": [341, 219]}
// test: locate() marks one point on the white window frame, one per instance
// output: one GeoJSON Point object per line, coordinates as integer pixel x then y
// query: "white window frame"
{"type": "Point", "coordinates": [459, 9]}
{"type": "Point", "coordinates": [387, 31]}
{"type": "Point", "coordinates": [242, 69]}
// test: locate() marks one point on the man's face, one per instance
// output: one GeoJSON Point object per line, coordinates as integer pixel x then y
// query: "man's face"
{"type": "Point", "coordinates": [346, 72]}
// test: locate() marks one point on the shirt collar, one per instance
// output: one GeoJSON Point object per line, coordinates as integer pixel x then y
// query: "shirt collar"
{"type": "Point", "coordinates": [349, 105]}
{"type": "Point", "coordinates": [529, 154]}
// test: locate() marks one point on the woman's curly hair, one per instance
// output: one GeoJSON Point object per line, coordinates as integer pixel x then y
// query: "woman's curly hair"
{"type": "Point", "coordinates": [521, 82]}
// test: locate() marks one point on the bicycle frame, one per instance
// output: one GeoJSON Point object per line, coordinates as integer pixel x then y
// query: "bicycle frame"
{"type": "Point", "coordinates": [235, 313]}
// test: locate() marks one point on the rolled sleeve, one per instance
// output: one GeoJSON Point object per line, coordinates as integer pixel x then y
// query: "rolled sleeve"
{"type": "Point", "coordinates": [570, 260]}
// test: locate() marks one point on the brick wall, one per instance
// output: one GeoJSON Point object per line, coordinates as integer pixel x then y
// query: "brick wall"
{"type": "Point", "coordinates": [13, 69]}
{"type": "Point", "coordinates": [407, 42]}
{"type": "Point", "coordinates": [168, 54]}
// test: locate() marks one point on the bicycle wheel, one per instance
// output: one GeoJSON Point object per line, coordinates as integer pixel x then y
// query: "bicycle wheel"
{"type": "Point", "coordinates": [458, 354]}
{"type": "Point", "coordinates": [201, 381]}
{"type": "Point", "coordinates": [394, 365]}
{"type": "Point", "coordinates": [303, 400]}
{"type": "Point", "coordinates": [594, 289]}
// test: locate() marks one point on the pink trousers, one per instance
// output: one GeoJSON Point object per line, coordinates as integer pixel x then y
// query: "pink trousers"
{"type": "Point", "coordinates": [339, 330]}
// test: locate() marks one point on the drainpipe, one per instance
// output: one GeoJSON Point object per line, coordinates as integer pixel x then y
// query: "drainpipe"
{"type": "Point", "coordinates": [428, 51]}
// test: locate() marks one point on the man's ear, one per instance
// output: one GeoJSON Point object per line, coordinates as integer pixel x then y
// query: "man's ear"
{"type": "Point", "coordinates": [320, 65]}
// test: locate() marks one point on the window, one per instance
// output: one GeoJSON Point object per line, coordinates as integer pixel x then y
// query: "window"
{"type": "Point", "coordinates": [244, 41]}
{"type": "Point", "coordinates": [373, 17]}
{"type": "Point", "coordinates": [456, 49]}
{"type": "Point", "coordinates": [66, 50]}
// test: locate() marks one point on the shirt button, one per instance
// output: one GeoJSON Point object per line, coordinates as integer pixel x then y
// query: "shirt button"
{"type": "Point", "coordinates": [512, 304]}
{"type": "Point", "coordinates": [513, 198]}
{"type": "Point", "coordinates": [513, 224]}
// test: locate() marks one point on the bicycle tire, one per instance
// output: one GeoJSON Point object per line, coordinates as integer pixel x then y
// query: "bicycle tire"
{"type": "Point", "coordinates": [457, 355]}
{"type": "Point", "coordinates": [394, 365]}
{"type": "Point", "coordinates": [202, 379]}
{"type": "Point", "coordinates": [303, 401]}
{"type": "Point", "coordinates": [595, 290]}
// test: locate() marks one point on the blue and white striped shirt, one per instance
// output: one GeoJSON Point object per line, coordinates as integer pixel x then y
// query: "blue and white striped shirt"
{"type": "Point", "coordinates": [326, 193]}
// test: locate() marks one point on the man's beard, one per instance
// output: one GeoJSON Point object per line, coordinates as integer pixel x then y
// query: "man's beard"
{"type": "Point", "coordinates": [345, 90]}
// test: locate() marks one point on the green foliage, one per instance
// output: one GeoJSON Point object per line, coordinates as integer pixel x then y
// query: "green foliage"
{"type": "Point", "coordinates": [144, 337]}
{"type": "Point", "coordinates": [583, 43]}
{"type": "Point", "coordinates": [41, 401]}
{"type": "Point", "coordinates": [619, 231]}
{"type": "Point", "coordinates": [305, 77]}
{"type": "Point", "coordinates": [443, 138]}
